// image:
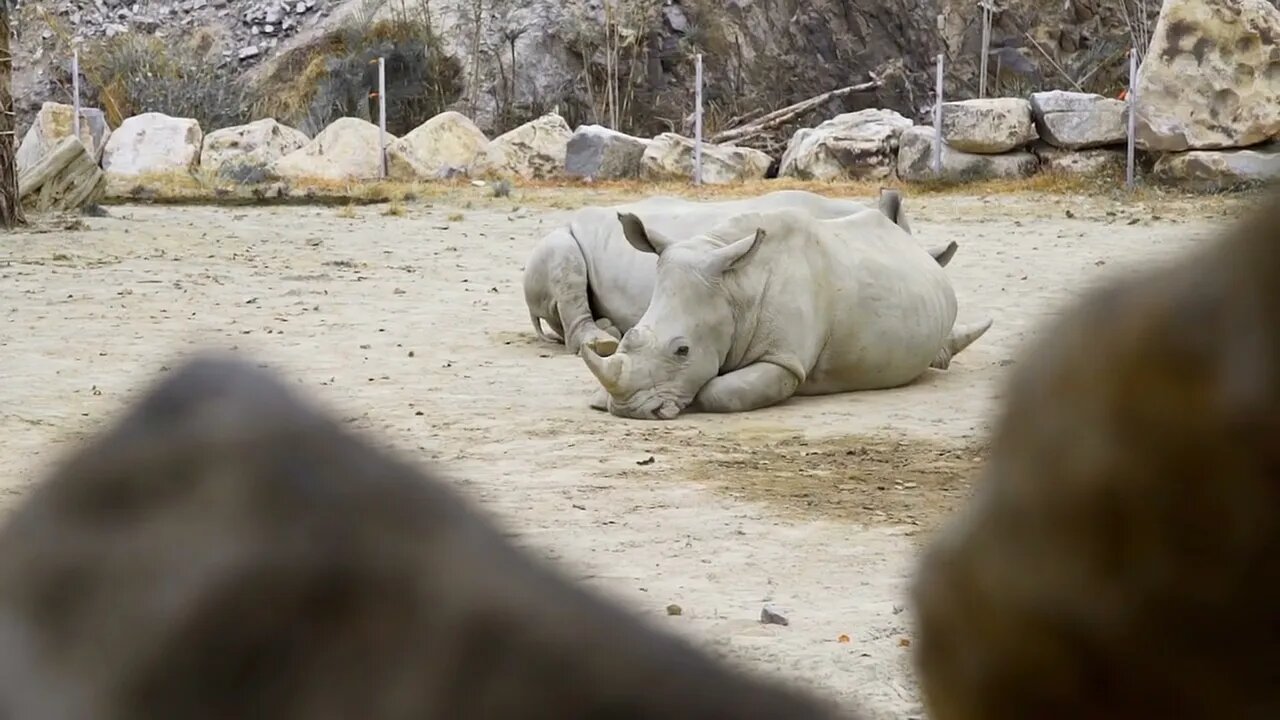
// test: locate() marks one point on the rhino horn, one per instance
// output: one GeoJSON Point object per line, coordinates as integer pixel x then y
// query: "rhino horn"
{"type": "Point", "coordinates": [607, 370]}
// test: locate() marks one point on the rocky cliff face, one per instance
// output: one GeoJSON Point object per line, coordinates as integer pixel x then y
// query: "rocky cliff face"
{"type": "Point", "coordinates": [516, 59]}
{"type": "Point", "coordinates": [240, 33]}
{"type": "Point", "coordinates": [763, 54]}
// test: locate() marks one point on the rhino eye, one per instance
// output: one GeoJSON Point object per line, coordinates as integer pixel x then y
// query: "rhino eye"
{"type": "Point", "coordinates": [682, 351]}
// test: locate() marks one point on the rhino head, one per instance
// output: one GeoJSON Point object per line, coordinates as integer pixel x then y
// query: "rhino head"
{"type": "Point", "coordinates": [681, 341]}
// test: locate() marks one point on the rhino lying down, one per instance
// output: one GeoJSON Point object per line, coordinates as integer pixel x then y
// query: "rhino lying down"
{"type": "Point", "coordinates": [772, 304]}
{"type": "Point", "coordinates": [227, 552]}
{"type": "Point", "coordinates": [589, 285]}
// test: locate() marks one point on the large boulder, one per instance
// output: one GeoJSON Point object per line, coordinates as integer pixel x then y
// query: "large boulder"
{"type": "Point", "coordinates": [1211, 78]}
{"type": "Point", "coordinates": [52, 124]}
{"type": "Point", "coordinates": [988, 125]}
{"type": "Point", "coordinates": [347, 150]}
{"type": "Point", "coordinates": [915, 160]}
{"type": "Point", "coordinates": [533, 151]}
{"type": "Point", "coordinates": [600, 153]}
{"type": "Point", "coordinates": [226, 550]}
{"type": "Point", "coordinates": [1218, 170]}
{"type": "Point", "coordinates": [1096, 161]}
{"type": "Point", "coordinates": [153, 143]}
{"type": "Point", "coordinates": [246, 149]}
{"type": "Point", "coordinates": [670, 157]}
{"type": "Point", "coordinates": [860, 145]}
{"type": "Point", "coordinates": [1079, 121]}
{"type": "Point", "coordinates": [445, 146]}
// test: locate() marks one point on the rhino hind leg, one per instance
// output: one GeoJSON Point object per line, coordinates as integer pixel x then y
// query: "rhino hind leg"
{"type": "Point", "coordinates": [571, 289]}
{"type": "Point", "coordinates": [960, 338]}
{"type": "Point", "coordinates": [554, 337]}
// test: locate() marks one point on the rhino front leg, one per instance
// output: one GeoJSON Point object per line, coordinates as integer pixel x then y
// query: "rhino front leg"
{"type": "Point", "coordinates": [607, 325]}
{"type": "Point", "coordinates": [755, 386]}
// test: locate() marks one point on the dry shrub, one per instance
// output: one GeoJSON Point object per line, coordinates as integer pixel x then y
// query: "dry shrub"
{"type": "Point", "coordinates": [336, 76]}
{"type": "Point", "coordinates": [133, 73]}
{"type": "Point", "coordinates": [614, 44]}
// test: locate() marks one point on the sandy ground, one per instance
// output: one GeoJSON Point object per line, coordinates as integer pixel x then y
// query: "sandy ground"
{"type": "Point", "coordinates": [413, 328]}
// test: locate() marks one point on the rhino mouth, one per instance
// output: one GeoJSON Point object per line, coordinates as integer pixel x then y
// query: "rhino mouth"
{"type": "Point", "coordinates": [656, 408]}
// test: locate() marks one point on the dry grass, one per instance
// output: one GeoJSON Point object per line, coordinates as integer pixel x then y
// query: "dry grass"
{"type": "Point", "coordinates": [204, 187]}
{"type": "Point", "coordinates": [207, 188]}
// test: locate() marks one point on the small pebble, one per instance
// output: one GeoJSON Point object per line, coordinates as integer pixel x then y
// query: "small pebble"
{"type": "Point", "coordinates": [769, 617]}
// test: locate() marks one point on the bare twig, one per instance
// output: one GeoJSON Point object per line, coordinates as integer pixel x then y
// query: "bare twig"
{"type": "Point", "coordinates": [1053, 62]}
{"type": "Point", "coordinates": [1110, 59]}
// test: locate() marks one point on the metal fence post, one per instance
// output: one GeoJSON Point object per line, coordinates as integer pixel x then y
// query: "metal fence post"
{"type": "Point", "coordinates": [697, 122]}
{"type": "Point", "coordinates": [937, 123]}
{"type": "Point", "coordinates": [382, 115]}
{"type": "Point", "coordinates": [1132, 97]}
{"type": "Point", "coordinates": [75, 92]}
{"type": "Point", "coordinates": [986, 49]}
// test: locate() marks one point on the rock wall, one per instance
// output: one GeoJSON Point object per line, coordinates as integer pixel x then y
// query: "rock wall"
{"type": "Point", "coordinates": [520, 59]}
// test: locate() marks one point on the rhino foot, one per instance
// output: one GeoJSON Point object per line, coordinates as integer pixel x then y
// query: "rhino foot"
{"type": "Point", "coordinates": [600, 401]}
{"type": "Point", "coordinates": [604, 347]}
{"type": "Point", "coordinates": [605, 343]}
{"type": "Point", "coordinates": [607, 325]}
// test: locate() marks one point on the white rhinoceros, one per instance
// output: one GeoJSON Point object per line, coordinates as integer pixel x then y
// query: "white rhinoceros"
{"type": "Point", "coordinates": [590, 285]}
{"type": "Point", "coordinates": [771, 304]}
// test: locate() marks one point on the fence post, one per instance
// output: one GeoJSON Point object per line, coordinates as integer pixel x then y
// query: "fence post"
{"type": "Point", "coordinates": [937, 123]}
{"type": "Point", "coordinates": [382, 116]}
{"type": "Point", "coordinates": [75, 92]}
{"type": "Point", "coordinates": [986, 50]}
{"type": "Point", "coordinates": [697, 121]}
{"type": "Point", "coordinates": [1132, 97]}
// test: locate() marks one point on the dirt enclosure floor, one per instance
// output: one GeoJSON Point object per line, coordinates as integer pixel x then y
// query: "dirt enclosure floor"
{"type": "Point", "coordinates": [411, 325]}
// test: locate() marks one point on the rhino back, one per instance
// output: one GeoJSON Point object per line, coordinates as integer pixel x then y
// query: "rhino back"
{"type": "Point", "coordinates": [620, 279]}
{"type": "Point", "coordinates": [852, 300]}
{"type": "Point", "coordinates": [819, 206]}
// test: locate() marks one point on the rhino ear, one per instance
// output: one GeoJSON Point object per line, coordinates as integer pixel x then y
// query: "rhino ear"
{"type": "Point", "coordinates": [724, 259]}
{"type": "Point", "coordinates": [639, 236]}
{"type": "Point", "coordinates": [891, 206]}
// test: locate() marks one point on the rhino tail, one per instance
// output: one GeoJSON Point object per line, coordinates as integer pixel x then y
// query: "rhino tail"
{"type": "Point", "coordinates": [537, 328]}
{"type": "Point", "coordinates": [960, 338]}
{"type": "Point", "coordinates": [944, 255]}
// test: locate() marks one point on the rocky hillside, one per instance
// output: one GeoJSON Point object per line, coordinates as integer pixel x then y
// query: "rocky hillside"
{"type": "Point", "coordinates": [624, 63]}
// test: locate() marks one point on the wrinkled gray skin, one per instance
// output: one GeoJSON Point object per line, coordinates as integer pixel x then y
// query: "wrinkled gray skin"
{"type": "Point", "coordinates": [589, 285]}
{"type": "Point", "coordinates": [778, 303]}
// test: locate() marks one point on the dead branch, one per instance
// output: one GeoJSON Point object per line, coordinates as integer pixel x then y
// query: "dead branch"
{"type": "Point", "coordinates": [1053, 62]}
{"type": "Point", "coordinates": [784, 115]}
